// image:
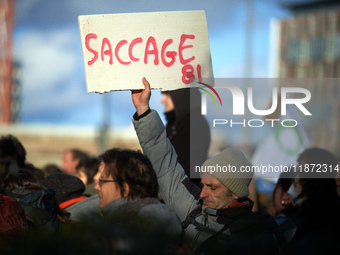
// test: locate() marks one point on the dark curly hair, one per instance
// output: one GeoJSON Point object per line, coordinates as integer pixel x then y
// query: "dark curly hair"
{"type": "Point", "coordinates": [11, 147]}
{"type": "Point", "coordinates": [133, 168]}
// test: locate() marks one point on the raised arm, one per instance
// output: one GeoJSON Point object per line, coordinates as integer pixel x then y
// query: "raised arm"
{"type": "Point", "coordinates": [152, 137]}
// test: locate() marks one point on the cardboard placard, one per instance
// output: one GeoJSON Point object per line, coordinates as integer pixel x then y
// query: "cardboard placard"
{"type": "Point", "coordinates": [170, 49]}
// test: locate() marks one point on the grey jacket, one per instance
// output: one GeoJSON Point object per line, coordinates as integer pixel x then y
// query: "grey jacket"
{"type": "Point", "coordinates": [84, 209]}
{"type": "Point", "coordinates": [150, 208]}
{"type": "Point", "coordinates": [171, 177]}
{"type": "Point", "coordinates": [230, 229]}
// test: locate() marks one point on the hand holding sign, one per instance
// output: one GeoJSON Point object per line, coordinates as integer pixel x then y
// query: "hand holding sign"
{"type": "Point", "coordinates": [141, 97]}
{"type": "Point", "coordinates": [172, 48]}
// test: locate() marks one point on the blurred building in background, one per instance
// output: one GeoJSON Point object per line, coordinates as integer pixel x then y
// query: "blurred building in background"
{"type": "Point", "coordinates": [307, 45]}
{"type": "Point", "coordinates": [10, 82]}
{"type": "Point", "coordinates": [16, 92]}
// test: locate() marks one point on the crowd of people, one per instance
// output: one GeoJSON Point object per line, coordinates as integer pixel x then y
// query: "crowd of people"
{"type": "Point", "coordinates": [128, 202]}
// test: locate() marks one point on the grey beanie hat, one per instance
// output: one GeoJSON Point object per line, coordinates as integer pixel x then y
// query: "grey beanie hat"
{"type": "Point", "coordinates": [232, 169]}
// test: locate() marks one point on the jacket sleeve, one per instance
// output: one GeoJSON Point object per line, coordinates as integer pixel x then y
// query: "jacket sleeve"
{"type": "Point", "coordinates": [155, 144]}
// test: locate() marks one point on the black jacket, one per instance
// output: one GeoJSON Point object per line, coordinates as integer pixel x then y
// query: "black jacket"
{"type": "Point", "coordinates": [187, 129]}
{"type": "Point", "coordinates": [244, 232]}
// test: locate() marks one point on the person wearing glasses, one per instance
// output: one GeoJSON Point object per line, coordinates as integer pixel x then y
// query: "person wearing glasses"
{"type": "Point", "coordinates": [128, 186]}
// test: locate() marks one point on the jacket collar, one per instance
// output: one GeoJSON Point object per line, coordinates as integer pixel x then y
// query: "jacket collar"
{"type": "Point", "coordinates": [223, 216]}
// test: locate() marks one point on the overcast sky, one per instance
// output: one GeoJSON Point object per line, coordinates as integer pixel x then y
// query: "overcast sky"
{"type": "Point", "coordinates": [47, 45]}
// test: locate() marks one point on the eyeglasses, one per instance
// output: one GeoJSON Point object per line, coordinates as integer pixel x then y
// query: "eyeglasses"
{"type": "Point", "coordinates": [101, 181]}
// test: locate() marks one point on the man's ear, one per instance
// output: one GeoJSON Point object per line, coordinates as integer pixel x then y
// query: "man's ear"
{"type": "Point", "coordinates": [234, 196]}
{"type": "Point", "coordinates": [126, 189]}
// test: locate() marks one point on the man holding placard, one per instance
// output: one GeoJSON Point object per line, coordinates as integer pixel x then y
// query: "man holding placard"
{"type": "Point", "coordinates": [218, 217]}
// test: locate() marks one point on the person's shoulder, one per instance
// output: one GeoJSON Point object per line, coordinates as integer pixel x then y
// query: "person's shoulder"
{"type": "Point", "coordinates": [44, 198]}
{"type": "Point", "coordinates": [160, 211]}
{"type": "Point", "coordinates": [157, 208]}
{"type": "Point", "coordinates": [85, 208]}
{"type": "Point", "coordinates": [92, 201]}
{"type": "Point", "coordinates": [163, 214]}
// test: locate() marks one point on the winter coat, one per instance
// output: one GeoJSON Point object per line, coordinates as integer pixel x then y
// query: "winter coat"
{"type": "Point", "coordinates": [39, 207]}
{"type": "Point", "coordinates": [84, 209]}
{"type": "Point", "coordinates": [12, 216]}
{"type": "Point", "coordinates": [150, 208]}
{"type": "Point", "coordinates": [183, 197]}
